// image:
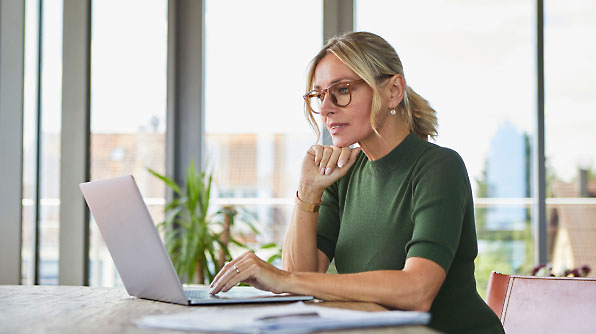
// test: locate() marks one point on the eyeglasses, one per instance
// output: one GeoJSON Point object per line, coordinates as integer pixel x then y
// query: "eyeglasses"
{"type": "Point", "coordinates": [340, 94]}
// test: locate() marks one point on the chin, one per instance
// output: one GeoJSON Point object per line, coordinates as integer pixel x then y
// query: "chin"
{"type": "Point", "coordinates": [338, 142]}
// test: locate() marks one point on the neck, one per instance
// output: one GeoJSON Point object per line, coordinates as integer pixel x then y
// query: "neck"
{"type": "Point", "coordinates": [391, 133]}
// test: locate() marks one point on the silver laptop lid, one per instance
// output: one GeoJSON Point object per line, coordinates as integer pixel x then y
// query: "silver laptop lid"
{"type": "Point", "coordinates": [134, 244]}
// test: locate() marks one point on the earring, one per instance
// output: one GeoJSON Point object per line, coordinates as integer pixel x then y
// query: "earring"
{"type": "Point", "coordinates": [393, 111]}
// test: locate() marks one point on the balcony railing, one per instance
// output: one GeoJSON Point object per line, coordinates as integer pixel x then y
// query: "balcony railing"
{"type": "Point", "coordinates": [478, 202]}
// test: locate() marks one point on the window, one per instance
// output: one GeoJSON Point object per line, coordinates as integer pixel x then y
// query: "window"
{"type": "Point", "coordinates": [50, 122]}
{"type": "Point", "coordinates": [256, 55]}
{"type": "Point", "coordinates": [474, 62]}
{"type": "Point", "coordinates": [41, 146]}
{"type": "Point", "coordinates": [128, 107]}
{"type": "Point", "coordinates": [28, 248]}
{"type": "Point", "coordinates": [570, 101]}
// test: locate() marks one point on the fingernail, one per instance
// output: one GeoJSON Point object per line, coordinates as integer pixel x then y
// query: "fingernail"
{"type": "Point", "coordinates": [323, 171]}
{"type": "Point", "coordinates": [327, 171]}
{"type": "Point", "coordinates": [340, 163]}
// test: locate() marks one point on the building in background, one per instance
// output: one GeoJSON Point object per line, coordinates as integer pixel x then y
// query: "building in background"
{"type": "Point", "coordinates": [505, 229]}
{"type": "Point", "coordinates": [264, 168]}
{"type": "Point", "coordinates": [508, 176]}
{"type": "Point", "coordinates": [572, 228]}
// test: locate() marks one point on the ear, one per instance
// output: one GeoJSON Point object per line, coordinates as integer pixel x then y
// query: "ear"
{"type": "Point", "coordinates": [397, 89]}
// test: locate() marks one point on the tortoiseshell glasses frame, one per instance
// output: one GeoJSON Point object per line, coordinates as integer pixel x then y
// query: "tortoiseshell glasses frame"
{"type": "Point", "coordinates": [340, 94]}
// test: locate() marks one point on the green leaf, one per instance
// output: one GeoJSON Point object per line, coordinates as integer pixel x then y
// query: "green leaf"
{"type": "Point", "coordinates": [184, 223]}
{"type": "Point", "coordinates": [269, 245]}
{"type": "Point", "coordinates": [273, 258]}
{"type": "Point", "coordinates": [211, 275]}
{"type": "Point", "coordinates": [175, 203]}
{"type": "Point", "coordinates": [252, 227]}
{"type": "Point", "coordinates": [171, 215]}
{"type": "Point", "coordinates": [237, 243]}
{"type": "Point", "coordinates": [168, 181]}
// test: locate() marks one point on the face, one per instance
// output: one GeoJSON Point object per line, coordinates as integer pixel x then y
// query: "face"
{"type": "Point", "coordinates": [350, 124]}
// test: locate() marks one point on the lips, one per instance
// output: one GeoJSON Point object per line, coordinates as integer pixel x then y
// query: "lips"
{"type": "Point", "coordinates": [335, 128]}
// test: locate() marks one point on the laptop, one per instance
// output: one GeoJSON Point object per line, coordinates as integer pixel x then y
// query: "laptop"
{"type": "Point", "coordinates": [139, 254]}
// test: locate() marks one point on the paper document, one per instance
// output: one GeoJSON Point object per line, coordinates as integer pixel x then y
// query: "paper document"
{"type": "Point", "coordinates": [289, 318]}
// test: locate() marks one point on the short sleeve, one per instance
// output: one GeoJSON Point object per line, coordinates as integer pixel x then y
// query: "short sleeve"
{"type": "Point", "coordinates": [441, 191]}
{"type": "Point", "coordinates": [328, 225]}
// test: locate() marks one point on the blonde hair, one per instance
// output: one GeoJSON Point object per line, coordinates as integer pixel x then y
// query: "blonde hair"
{"type": "Point", "coordinates": [371, 57]}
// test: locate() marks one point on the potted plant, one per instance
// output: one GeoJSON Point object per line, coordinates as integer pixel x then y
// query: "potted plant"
{"type": "Point", "coordinates": [196, 241]}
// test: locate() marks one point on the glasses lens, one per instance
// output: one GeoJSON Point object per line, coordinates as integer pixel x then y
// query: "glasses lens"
{"type": "Point", "coordinates": [315, 100]}
{"type": "Point", "coordinates": [340, 94]}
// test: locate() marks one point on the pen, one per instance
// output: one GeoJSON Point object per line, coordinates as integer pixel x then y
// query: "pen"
{"type": "Point", "coordinates": [288, 316]}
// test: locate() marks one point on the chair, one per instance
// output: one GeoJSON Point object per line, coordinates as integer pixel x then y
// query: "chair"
{"type": "Point", "coordinates": [544, 304]}
{"type": "Point", "coordinates": [496, 291]}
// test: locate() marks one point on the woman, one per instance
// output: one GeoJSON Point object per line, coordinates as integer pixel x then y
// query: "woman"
{"type": "Point", "coordinates": [396, 213]}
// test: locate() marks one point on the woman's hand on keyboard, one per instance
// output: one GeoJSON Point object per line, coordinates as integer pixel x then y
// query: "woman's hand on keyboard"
{"type": "Point", "coordinates": [249, 268]}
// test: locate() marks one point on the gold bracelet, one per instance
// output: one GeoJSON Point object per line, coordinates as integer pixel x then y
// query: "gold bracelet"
{"type": "Point", "coordinates": [305, 206]}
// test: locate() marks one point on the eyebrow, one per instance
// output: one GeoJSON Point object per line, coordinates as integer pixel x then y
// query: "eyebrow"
{"type": "Point", "coordinates": [335, 81]}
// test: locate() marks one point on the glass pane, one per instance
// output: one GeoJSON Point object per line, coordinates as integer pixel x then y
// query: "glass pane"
{"type": "Point", "coordinates": [474, 62]}
{"type": "Point", "coordinates": [51, 118]}
{"type": "Point", "coordinates": [30, 142]}
{"type": "Point", "coordinates": [570, 101]}
{"type": "Point", "coordinates": [128, 107]}
{"type": "Point", "coordinates": [256, 132]}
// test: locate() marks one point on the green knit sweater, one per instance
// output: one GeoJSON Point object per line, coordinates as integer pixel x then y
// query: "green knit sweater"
{"type": "Point", "coordinates": [414, 202]}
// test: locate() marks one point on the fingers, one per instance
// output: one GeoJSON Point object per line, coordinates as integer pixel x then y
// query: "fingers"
{"type": "Point", "coordinates": [318, 153]}
{"type": "Point", "coordinates": [233, 273]}
{"type": "Point", "coordinates": [327, 151]}
{"type": "Point", "coordinates": [229, 269]}
{"type": "Point", "coordinates": [239, 277]}
{"type": "Point", "coordinates": [323, 165]}
{"type": "Point", "coordinates": [333, 160]}
{"type": "Point", "coordinates": [327, 158]}
{"type": "Point", "coordinates": [229, 279]}
{"type": "Point", "coordinates": [344, 156]}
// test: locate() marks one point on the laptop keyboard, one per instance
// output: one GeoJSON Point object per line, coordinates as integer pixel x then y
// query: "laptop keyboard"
{"type": "Point", "coordinates": [197, 294]}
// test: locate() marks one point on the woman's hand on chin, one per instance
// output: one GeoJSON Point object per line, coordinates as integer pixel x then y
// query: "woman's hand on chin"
{"type": "Point", "coordinates": [323, 165]}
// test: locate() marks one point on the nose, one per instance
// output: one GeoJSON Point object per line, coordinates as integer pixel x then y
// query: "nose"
{"type": "Point", "coordinates": [327, 107]}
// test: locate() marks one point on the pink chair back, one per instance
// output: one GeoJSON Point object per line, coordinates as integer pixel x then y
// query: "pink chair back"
{"type": "Point", "coordinates": [544, 304]}
{"type": "Point", "coordinates": [496, 291]}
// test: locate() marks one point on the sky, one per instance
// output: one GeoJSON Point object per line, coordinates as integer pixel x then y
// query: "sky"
{"type": "Point", "coordinates": [473, 60]}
